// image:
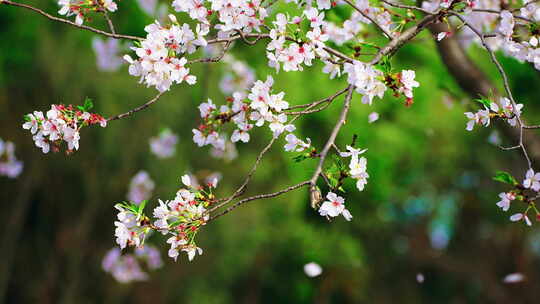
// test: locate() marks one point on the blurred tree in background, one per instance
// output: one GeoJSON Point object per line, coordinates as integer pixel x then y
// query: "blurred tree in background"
{"type": "Point", "coordinates": [429, 209]}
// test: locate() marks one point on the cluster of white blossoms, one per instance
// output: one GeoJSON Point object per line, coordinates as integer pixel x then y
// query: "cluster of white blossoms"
{"type": "Point", "coordinates": [504, 110]}
{"type": "Point", "coordinates": [261, 106]}
{"type": "Point", "coordinates": [371, 82]}
{"type": "Point", "coordinates": [10, 166]}
{"type": "Point", "coordinates": [292, 54]}
{"type": "Point", "coordinates": [180, 218]}
{"type": "Point", "coordinates": [164, 145]}
{"type": "Point", "coordinates": [60, 124]}
{"type": "Point", "coordinates": [521, 42]}
{"type": "Point", "coordinates": [232, 15]}
{"type": "Point", "coordinates": [79, 8]}
{"type": "Point", "coordinates": [516, 37]}
{"type": "Point", "coordinates": [334, 206]}
{"type": "Point", "coordinates": [140, 187]}
{"type": "Point", "coordinates": [160, 62]}
{"type": "Point", "coordinates": [130, 229]}
{"type": "Point", "coordinates": [367, 80]}
{"type": "Point", "coordinates": [127, 268]}
{"type": "Point", "coordinates": [294, 144]}
{"type": "Point", "coordinates": [357, 166]}
{"type": "Point", "coordinates": [526, 193]}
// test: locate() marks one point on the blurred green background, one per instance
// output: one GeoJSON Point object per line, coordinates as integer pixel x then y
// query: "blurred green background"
{"type": "Point", "coordinates": [429, 207]}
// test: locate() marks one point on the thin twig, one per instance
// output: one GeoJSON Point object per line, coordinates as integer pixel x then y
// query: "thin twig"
{"type": "Point", "coordinates": [243, 187]}
{"type": "Point", "coordinates": [491, 11]}
{"type": "Point", "coordinates": [332, 138]}
{"type": "Point", "coordinates": [505, 83]}
{"type": "Point", "coordinates": [257, 197]}
{"type": "Point", "coordinates": [388, 35]}
{"type": "Point", "coordinates": [411, 7]}
{"type": "Point", "coordinates": [137, 109]}
{"type": "Point", "coordinates": [109, 21]}
{"type": "Point", "coordinates": [84, 27]}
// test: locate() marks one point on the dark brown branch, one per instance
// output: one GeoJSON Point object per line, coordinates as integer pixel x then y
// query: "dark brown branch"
{"type": "Point", "coordinates": [331, 139]}
{"type": "Point", "coordinates": [137, 109]}
{"type": "Point", "coordinates": [257, 197]}
{"type": "Point", "coordinates": [505, 83]}
{"type": "Point", "coordinates": [84, 27]}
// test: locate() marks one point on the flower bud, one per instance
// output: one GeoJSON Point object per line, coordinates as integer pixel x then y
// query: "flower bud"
{"type": "Point", "coordinates": [315, 196]}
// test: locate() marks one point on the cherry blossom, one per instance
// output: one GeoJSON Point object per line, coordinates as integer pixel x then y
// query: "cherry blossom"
{"type": "Point", "coordinates": [366, 80]}
{"type": "Point", "coordinates": [158, 63]}
{"type": "Point", "coordinates": [127, 268]}
{"type": "Point", "coordinates": [129, 231]}
{"type": "Point", "coordinates": [334, 206]}
{"type": "Point", "coordinates": [61, 123]}
{"type": "Point", "coordinates": [532, 180]}
{"type": "Point", "coordinates": [164, 145]}
{"type": "Point", "coordinates": [10, 166]}
{"type": "Point", "coordinates": [373, 117]}
{"type": "Point", "coordinates": [295, 144]}
{"type": "Point", "coordinates": [506, 199]}
{"type": "Point", "coordinates": [521, 216]}
{"type": "Point", "coordinates": [107, 54]}
{"type": "Point", "coordinates": [312, 269]}
{"type": "Point", "coordinates": [140, 187]}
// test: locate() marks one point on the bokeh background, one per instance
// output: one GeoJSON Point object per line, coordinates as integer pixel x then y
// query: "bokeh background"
{"type": "Point", "coordinates": [428, 209]}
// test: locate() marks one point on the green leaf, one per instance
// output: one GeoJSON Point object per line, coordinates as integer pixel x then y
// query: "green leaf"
{"type": "Point", "coordinates": [384, 65]}
{"type": "Point", "coordinates": [485, 101]}
{"type": "Point", "coordinates": [141, 206]}
{"type": "Point", "coordinates": [27, 118]}
{"type": "Point", "coordinates": [88, 104]}
{"type": "Point", "coordinates": [339, 163]}
{"type": "Point", "coordinates": [505, 177]}
{"type": "Point", "coordinates": [301, 157]}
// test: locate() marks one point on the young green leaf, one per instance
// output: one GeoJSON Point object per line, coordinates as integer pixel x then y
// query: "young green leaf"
{"type": "Point", "coordinates": [505, 177]}
{"type": "Point", "coordinates": [485, 101]}
{"type": "Point", "coordinates": [88, 104]}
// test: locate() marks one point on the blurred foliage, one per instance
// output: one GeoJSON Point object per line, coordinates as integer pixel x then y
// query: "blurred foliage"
{"type": "Point", "coordinates": [429, 206]}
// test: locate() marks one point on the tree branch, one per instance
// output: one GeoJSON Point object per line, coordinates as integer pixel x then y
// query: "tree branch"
{"type": "Point", "coordinates": [137, 109]}
{"type": "Point", "coordinates": [84, 27]}
{"type": "Point", "coordinates": [257, 197]}
{"type": "Point", "coordinates": [331, 139]}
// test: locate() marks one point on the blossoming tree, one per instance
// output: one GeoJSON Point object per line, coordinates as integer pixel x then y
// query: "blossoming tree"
{"type": "Point", "coordinates": [354, 41]}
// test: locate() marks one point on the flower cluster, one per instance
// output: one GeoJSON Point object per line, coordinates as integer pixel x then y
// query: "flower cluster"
{"type": "Point", "coordinates": [367, 80]}
{"type": "Point", "coordinates": [261, 106]}
{"type": "Point", "coordinates": [505, 110]}
{"type": "Point", "coordinates": [232, 16]}
{"type": "Point", "coordinates": [334, 206]}
{"type": "Point", "coordinates": [295, 144]}
{"type": "Point", "coordinates": [526, 192]}
{"type": "Point", "coordinates": [126, 268]}
{"type": "Point", "coordinates": [164, 145]}
{"type": "Point", "coordinates": [10, 166]}
{"type": "Point", "coordinates": [182, 217]}
{"type": "Point", "coordinates": [516, 37]}
{"type": "Point", "coordinates": [357, 166]}
{"type": "Point", "coordinates": [79, 8]}
{"type": "Point", "coordinates": [140, 187]}
{"type": "Point", "coordinates": [61, 123]}
{"type": "Point", "coordinates": [293, 54]}
{"type": "Point", "coordinates": [160, 62]}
